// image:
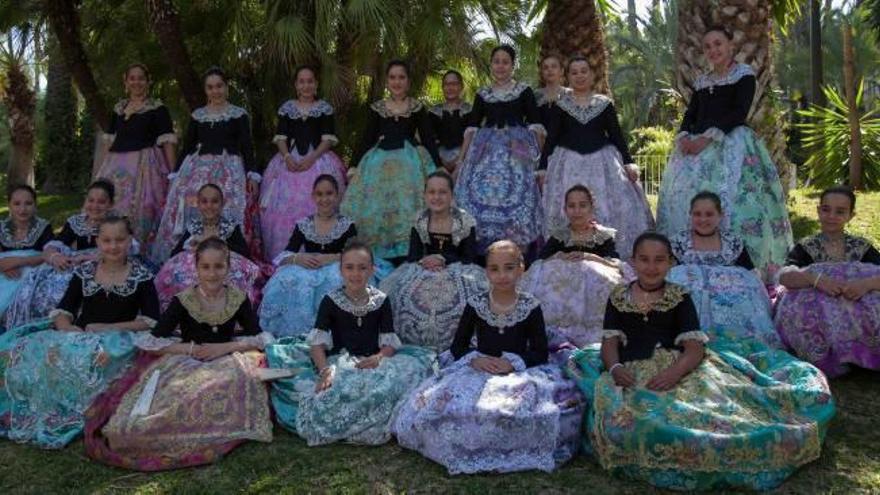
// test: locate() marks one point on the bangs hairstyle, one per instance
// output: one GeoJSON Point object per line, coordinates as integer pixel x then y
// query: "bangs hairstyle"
{"type": "Point", "coordinates": [505, 245]}
{"type": "Point", "coordinates": [397, 63]}
{"type": "Point", "coordinates": [214, 187]}
{"type": "Point", "coordinates": [707, 196]}
{"type": "Point", "coordinates": [104, 185]}
{"type": "Point", "coordinates": [300, 68]}
{"type": "Point", "coordinates": [137, 65]}
{"type": "Point", "coordinates": [579, 188]}
{"type": "Point", "coordinates": [212, 242]}
{"type": "Point", "coordinates": [214, 71]}
{"type": "Point", "coordinates": [22, 187]}
{"type": "Point", "coordinates": [718, 28]}
{"type": "Point", "coordinates": [326, 178]}
{"type": "Point", "coordinates": [655, 237]}
{"type": "Point", "coordinates": [114, 219]}
{"type": "Point", "coordinates": [356, 245]}
{"type": "Point", "coordinates": [842, 190]}
{"type": "Point", "coordinates": [506, 49]}
{"type": "Point", "coordinates": [577, 58]}
{"type": "Point", "coordinates": [452, 72]}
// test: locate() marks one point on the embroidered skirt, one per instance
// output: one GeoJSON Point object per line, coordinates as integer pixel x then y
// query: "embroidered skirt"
{"type": "Point", "coordinates": [39, 292]}
{"type": "Point", "coordinates": [9, 286]}
{"type": "Point", "coordinates": [179, 273]}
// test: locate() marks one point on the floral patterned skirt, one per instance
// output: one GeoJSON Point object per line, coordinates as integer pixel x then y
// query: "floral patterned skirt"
{"type": "Point", "coordinates": [39, 292]}
{"type": "Point", "coordinates": [748, 416]}
{"type": "Point", "coordinates": [740, 170]}
{"type": "Point", "coordinates": [196, 412]}
{"type": "Point", "coordinates": [9, 286]}
{"type": "Point", "coordinates": [497, 186]}
{"type": "Point", "coordinates": [470, 421]}
{"type": "Point", "coordinates": [832, 332]}
{"type": "Point", "coordinates": [360, 405]}
{"type": "Point", "coordinates": [385, 195]}
{"type": "Point", "coordinates": [179, 273]}
{"type": "Point", "coordinates": [52, 377]}
{"type": "Point", "coordinates": [427, 305]}
{"type": "Point", "coordinates": [286, 197]}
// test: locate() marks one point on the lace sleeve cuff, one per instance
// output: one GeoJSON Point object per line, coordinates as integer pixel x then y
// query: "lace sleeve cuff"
{"type": "Point", "coordinates": [609, 334]}
{"type": "Point", "coordinates": [782, 271]}
{"type": "Point", "coordinates": [320, 337]}
{"type": "Point", "coordinates": [515, 360]}
{"type": "Point", "coordinates": [259, 341]}
{"type": "Point", "coordinates": [59, 312]}
{"type": "Point", "coordinates": [169, 137]}
{"type": "Point", "coordinates": [60, 246]}
{"type": "Point", "coordinates": [697, 335]}
{"type": "Point", "coordinates": [330, 138]}
{"type": "Point", "coordinates": [469, 131]}
{"type": "Point", "coordinates": [148, 342]}
{"type": "Point", "coordinates": [389, 339]}
{"type": "Point", "coordinates": [539, 128]}
{"type": "Point", "coordinates": [281, 258]}
{"type": "Point", "coordinates": [146, 319]}
{"type": "Point", "coordinates": [108, 138]}
{"type": "Point", "coordinates": [714, 133]}
{"type": "Point", "coordinates": [632, 166]}
{"type": "Point", "coordinates": [255, 177]}
{"type": "Point", "coordinates": [279, 138]}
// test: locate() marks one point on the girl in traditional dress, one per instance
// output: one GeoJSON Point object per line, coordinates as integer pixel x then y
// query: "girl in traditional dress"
{"type": "Point", "coordinates": [715, 268]}
{"type": "Point", "coordinates": [498, 407]}
{"type": "Point", "coordinates": [715, 151]}
{"type": "Point", "coordinates": [830, 314]}
{"type": "Point", "coordinates": [552, 88]}
{"type": "Point", "coordinates": [396, 154]}
{"type": "Point", "coordinates": [192, 398]}
{"type": "Point", "coordinates": [576, 271]}
{"type": "Point", "coordinates": [499, 156]}
{"type": "Point", "coordinates": [141, 154]}
{"type": "Point", "coordinates": [429, 292]}
{"type": "Point", "coordinates": [666, 410]}
{"type": "Point", "coordinates": [42, 288]}
{"type": "Point", "coordinates": [52, 375]}
{"type": "Point", "coordinates": [217, 149]}
{"type": "Point", "coordinates": [306, 133]}
{"type": "Point", "coordinates": [180, 272]}
{"type": "Point", "coordinates": [353, 371]}
{"type": "Point", "coordinates": [22, 237]}
{"type": "Point", "coordinates": [585, 145]}
{"type": "Point", "coordinates": [449, 120]}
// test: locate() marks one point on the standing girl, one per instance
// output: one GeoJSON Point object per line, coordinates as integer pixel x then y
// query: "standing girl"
{"type": "Point", "coordinates": [449, 119]}
{"type": "Point", "coordinates": [552, 85]}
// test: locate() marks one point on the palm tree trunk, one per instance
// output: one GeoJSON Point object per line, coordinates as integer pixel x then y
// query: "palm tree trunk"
{"type": "Point", "coordinates": [166, 25]}
{"type": "Point", "coordinates": [574, 27]}
{"type": "Point", "coordinates": [816, 93]}
{"type": "Point", "coordinates": [849, 82]}
{"type": "Point", "coordinates": [60, 164]}
{"type": "Point", "coordinates": [21, 104]}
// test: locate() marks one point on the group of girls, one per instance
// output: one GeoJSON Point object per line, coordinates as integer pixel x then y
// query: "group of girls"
{"type": "Point", "coordinates": [658, 355]}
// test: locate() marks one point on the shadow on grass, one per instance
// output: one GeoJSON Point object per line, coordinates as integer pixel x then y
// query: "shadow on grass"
{"type": "Point", "coordinates": [802, 226]}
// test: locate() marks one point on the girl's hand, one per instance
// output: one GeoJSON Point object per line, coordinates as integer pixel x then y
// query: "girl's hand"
{"type": "Point", "coordinates": [492, 365]}
{"type": "Point", "coordinates": [699, 144]}
{"type": "Point", "coordinates": [308, 260]}
{"type": "Point", "coordinates": [632, 172]}
{"type": "Point", "coordinates": [12, 273]}
{"type": "Point", "coordinates": [292, 166]}
{"type": "Point", "coordinates": [68, 328]}
{"type": "Point", "coordinates": [325, 380]}
{"type": "Point", "coordinates": [830, 286]}
{"type": "Point", "coordinates": [856, 289]}
{"type": "Point", "coordinates": [623, 377]}
{"type": "Point", "coordinates": [98, 327]}
{"type": "Point", "coordinates": [307, 163]}
{"type": "Point", "coordinates": [59, 261]}
{"type": "Point", "coordinates": [432, 263]}
{"type": "Point", "coordinates": [210, 352]}
{"type": "Point", "coordinates": [369, 363]}
{"type": "Point", "coordinates": [252, 187]}
{"type": "Point", "coordinates": [665, 380]}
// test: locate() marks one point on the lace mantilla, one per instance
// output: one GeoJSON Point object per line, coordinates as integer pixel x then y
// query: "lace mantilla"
{"type": "Point", "coordinates": [230, 112]}
{"type": "Point", "coordinates": [225, 228]}
{"type": "Point", "coordinates": [381, 107]}
{"type": "Point", "coordinates": [463, 109]}
{"type": "Point", "coordinates": [7, 233]}
{"type": "Point", "coordinates": [854, 248]}
{"type": "Point", "coordinates": [492, 95]}
{"type": "Point", "coordinates": [462, 223]}
{"type": "Point", "coordinates": [137, 273]}
{"type": "Point", "coordinates": [673, 295]}
{"type": "Point", "coordinates": [190, 300]}
{"type": "Point", "coordinates": [683, 248]}
{"type": "Point", "coordinates": [377, 297]}
{"type": "Point", "coordinates": [149, 104]}
{"type": "Point", "coordinates": [584, 114]}
{"type": "Point", "coordinates": [310, 230]}
{"type": "Point", "coordinates": [600, 235]}
{"type": "Point", "coordinates": [525, 304]}
{"type": "Point", "coordinates": [707, 80]}
{"type": "Point", "coordinates": [290, 110]}
{"type": "Point", "coordinates": [79, 223]}
{"type": "Point", "coordinates": [542, 97]}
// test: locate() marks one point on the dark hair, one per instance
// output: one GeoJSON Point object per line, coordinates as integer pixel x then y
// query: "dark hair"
{"type": "Point", "coordinates": [577, 58]}
{"type": "Point", "coordinates": [555, 55]}
{"type": "Point", "coordinates": [212, 242]}
{"type": "Point", "coordinates": [137, 65]}
{"type": "Point", "coordinates": [452, 72]}
{"type": "Point", "coordinates": [213, 71]}
{"type": "Point", "coordinates": [843, 190]}
{"type": "Point", "coordinates": [506, 49]}
{"type": "Point", "coordinates": [308, 67]}
{"type": "Point", "coordinates": [652, 236]}
{"type": "Point", "coordinates": [579, 188]}
{"type": "Point", "coordinates": [104, 185]}
{"type": "Point", "coordinates": [21, 187]}
{"type": "Point", "coordinates": [718, 28]}
{"type": "Point", "coordinates": [503, 245]}
{"type": "Point", "coordinates": [114, 219]}
{"type": "Point", "coordinates": [397, 63]}
{"type": "Point", "coordinates": [440, 174]}
{"type": "Point", "coordinates": [356, 245]}
{"type": "Point", "coordinates": [326, 178]}
{"type": "Point", "coordinates": [214, 187]}
{"type": "Point", "coordinates": [708, 196]}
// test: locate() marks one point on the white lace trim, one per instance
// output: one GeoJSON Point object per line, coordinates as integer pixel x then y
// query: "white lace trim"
{"type": "Point", "coordinates": [739, 71]}
{"type": "Point", "coordinates": [168, 137]}
{"type": "Point", "coordinates": [330, 138]}
{"type": "Point", "coordinates": [290, 110]}
{"type": "Point", "coordinates": [492, 95]}
{"type": "Point", "coordinates": [231, 112]}
{"type": "Point", "coordinates": [525, 304]}
{"type": "Point", "coordinates": [390, 339]}
{"type": "Point", "coordinates": [137, 273]}
{"type": "Point", "coordinates": [146, 319]}
{"type": "Point", "coordinates": [539, 128]}
{"type": "Point", "coordinates": [462, 224]}
{"type": "Point", "coordinates": [225, 228]}
{"type": "Point", "coordinates": [149, 104]}
{"type": "Point", "coordinates": [320, 337]}
{"type": "Point", "coordinates": [381, 107]}
{"type": "Point", "coordinates": [149, 342]}
{"type": "Point", "coordinates": [376, 298]}
{"type": "Point", "coordinates": [58, 312]}
{"type": "Point", "coordinates": [600, 235]}
{"type": "Point", "coordinates": [542, 97]}
{"type": "Point", "coordinates": [610, 334]}
{"type": "Point", "coordinates": [584, 114]}
{"type": "Point", "coordinates": [714, 133]}
{"type": "Point", "coordinates": [697, 335]}
{"type": "Point", "coordinates": [35, 230]}
{"type": "Point", "coordinates": [683, 248]}
{"type": "Point", "coordinates": [463, 109]}
{"type": "Point", "coordinates": [310, 230]}
{"type": "Point", "coordinates": [260, 341]}
{"type": "Point", "coordinates": [80, 225]}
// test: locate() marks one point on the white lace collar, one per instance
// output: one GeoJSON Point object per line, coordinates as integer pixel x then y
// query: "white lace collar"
{"type": "Point", "coordinates": [543, 97]}
{"type": "Point", "coordinates": [381, 107]}
{"type": "Point", "coordinates": [225, 227]}
{"type": "Point", "coordinates": [374, 302]}
{"type": "Point", "coordinates": [80, 225]}
{"type": "Point", "coordinates": [309, 229]}
{"type": "Point", "coordinates": [525, 304]}
{"type": "Point", "coordinates": [683, 248]}
{"type": "Point", "coordinates": [854, 248]}
{"type": "Point", "coordinates": [290, 110]}
{"type": "Point", "coordinates": [462, 224]}
{"type": "Point", "coordinates": [137, 273]}
{"type": "Point", "coordinates": [599, 236]}
{"type": "Point", "coordinates": [708, 80]}
{"type": "Point", "coordinates": [231, 111]}
{"type": "Point", "coordinates": [149, 104]}
{"type": "Point", "coordinates": [584, 114]}
{"type": "Point", "coordinates": [492, 95]}
{"type": "Point", "coordinates": [463, 109]}
{"type": "Point", "coordinates": [35, 230]}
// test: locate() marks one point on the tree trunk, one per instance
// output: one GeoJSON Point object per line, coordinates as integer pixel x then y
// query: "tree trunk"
{"type": "Point", "coordinates": [64, 20]}
{"type": "Point", "coordinates": [21, 104]}
{"type": "Point", "coordinates": [849, 82]}
{"type": "Point", "coordinates": [632, 17]}
{"type": "Point", "coordinates": [574, 27]}
{"type": "Point", "coordinates": [816, 95]}
{"type": "Point", "coordinates": [60, 164]}
{"type": "Point", "coordinates": [166, 25]}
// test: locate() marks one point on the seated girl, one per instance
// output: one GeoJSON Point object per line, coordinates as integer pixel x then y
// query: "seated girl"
{"type": "Point", "coordinates": [190, 399]}
{"type": "Point", "coordinates": [52, 376]}
{"type": "Point", "coordinates": [429, 292]}
{"type": "Point", "coordinates": [715, 268]}
{"type": "Point", "coordinates": [577, 269]}
{"type": "Point", "coordinates": [22, 238]}
{"type": "Point", "coordinates": [179, 272]}
{"type": "Point", "coordinates": [353, 371]}
{"type": "Point", "coordinates": [666, 410]}
{"type": "Point", "coordinates": [41, 289]}
{"type": "Point", "coordinates": [499, 406]}
{"type": "Point", "coordinates": [830, 314]}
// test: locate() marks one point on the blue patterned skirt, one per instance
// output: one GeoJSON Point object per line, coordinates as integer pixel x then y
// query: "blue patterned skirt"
{"type": "Point", "coordinates": [9, 286]}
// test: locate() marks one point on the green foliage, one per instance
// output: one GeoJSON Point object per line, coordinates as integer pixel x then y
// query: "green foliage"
{"type": "Point", "coordinates": [655, 141]}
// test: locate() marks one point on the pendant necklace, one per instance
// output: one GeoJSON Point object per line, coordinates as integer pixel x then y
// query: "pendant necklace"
{"type": "Point", "coordinates": [503, 310]}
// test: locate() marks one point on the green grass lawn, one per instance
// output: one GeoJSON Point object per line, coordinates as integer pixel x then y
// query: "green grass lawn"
{"type": "Point", "coordinates": [850, 461]}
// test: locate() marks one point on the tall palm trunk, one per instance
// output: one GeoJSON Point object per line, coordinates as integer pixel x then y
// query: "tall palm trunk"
{"type": "Point", "coordinates": [60, 164]}
{"type": "Point", "coordinates": [575, 27]}
{"type": "Point", "coordinates": [165, 23]}
{"type": "Point", "coordinates": [20, 101]}
{"type": "Point", "coordinates": [855, 134]}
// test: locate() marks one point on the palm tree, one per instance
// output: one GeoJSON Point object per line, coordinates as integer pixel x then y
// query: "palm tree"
{"type": "Point", "coordinates": [166, 25]}
{"type": "Point", "coordinates": [17, 94]}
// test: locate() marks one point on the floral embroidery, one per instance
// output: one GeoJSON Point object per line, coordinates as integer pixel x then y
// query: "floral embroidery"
{"type": "Point", "coordinates": [462, 224]}
{"type": "Point", "coordinates": [189, 299]}
{"type": "Point", "coordinates": [463, 109]}
{"type": "Point", "coordinates": [80, 225]}
{"type": "Point", "coordinates": [375, 300]}
{"type": "Point", "coordinates": [225, 228]}
{"type": "Point", "coordinates": [35, 230]}
{"type": "Point", "coordinates": [853, 250]}
{"type": "Point", "coordinates": [525, 304]}
{"type": "Point", "coordinates": [381, 107]}
{"type": "Point", "coordinates": [683, 248]}
{"type": "Point", "coordinates": [710, 81]}
{"type": "Point", "coordinates": [290, 110]}
{"type": "Point", "coordinates": [672, 296]}
{"type": "Point", "coordinates": [310, 230]}
{"type": "Point", "coordinates": [229, 113]}
{"type": "Point", "coordinates": [149, 104]}
{"type": "Point", "coordinates": [492, 95]}
{"type": "Point", "coordinates": [584, 114]}
{"type": "Point", "coordinates": [542, 97]}
{"type": "Point", "coordinates": [137, 273]}
{"type": "Point", "coordinates": [600, 235]}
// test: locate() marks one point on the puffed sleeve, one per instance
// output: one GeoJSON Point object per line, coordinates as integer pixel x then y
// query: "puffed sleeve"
{"type": "Point", "coordinates": [467, 249]}
{"type": "Point", "coordinates": [369, 138]}
{"type": "Point", "coordinates": [436, 122]}
{"type": "Point", "coordinates": [351, 233]}
{"type": "Point", "coordinates": [322, 333]}
{"type": "Point", "coordinates": [745, 93]}
{"type": "Point", "coordinates": [426, 135]}
{"type": "Point", "coordinates": [148, 302]}
{"type": "Point", "coordinates": [170, 319]}
{"type": "Point", "coordinates": [744, 260]}
{"type": "Point", "coordinates": [72, 300]}
{"type": "Point", "coordinates": [114, 125]}
{"type": "Point", "coordinates": [237, 243]}
{"type": "Point", "coordinates": [387, 337]}
{"type": "Point", "coordinates": [688, 322]}
{"type": "Point", "coordinates": [45, 237]}
{"type": "Point", "coordinates": [328, 129]}
{"type": "Point", "coordinates": [67, 236]}
{"type": "Point", "coordinates": [551, 247]}
{"type": "Point", "coordinates": [607, 249]}
{"type": "Point", "coordinates": [282, 130]}
{"type": "Point", "coordinates": [416, 249]}
{"type": "Point", "coordinates": [477, 115]}
{"type": "Point", "coordinates": [163, 126]}
{"type": "Point", "coordinates": [181, 244]}
{"type": "Point", "coordinates": [536, 334]}
{"type": "Point", "coordinates": [461, 344]}
{"type": "Point", "coordinates": [247, 318]}
{"type": "Point", "coordinates": [798, 257]}
{"type": "Point", "coordinates": [690, 115]}
{"type": "Point", "coordinates": [615, 133]}
{"type": "Point", "coordinates": [612, 325]}
{"type": "Point", "coordinates": [297, 239]}
{"type": "Point", "coordinates": [554, 123]}
{"type": "Point", "coordinates": [190, 141]}
{"type": "Point", "coordinates": [246, 144]}
{"type": "Point", "coordinates": [871, 256]}
{"type": "Point", "coordinates": [530, 109]}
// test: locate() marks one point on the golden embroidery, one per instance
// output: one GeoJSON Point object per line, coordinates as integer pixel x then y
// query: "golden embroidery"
{"type": "Point", "coordinates": [673, 294]}
{"type": "Point", "coordinates": [190, 301]}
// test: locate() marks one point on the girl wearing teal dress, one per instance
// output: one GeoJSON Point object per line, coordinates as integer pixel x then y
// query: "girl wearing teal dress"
{"type": "Point", "coordinates": [22, 238]}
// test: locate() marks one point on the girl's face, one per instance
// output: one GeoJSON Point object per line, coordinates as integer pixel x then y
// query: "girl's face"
{"type": "Point", "coordinates": [357, 268]}
{"type": "Point", "coordinates": [438, 196]}
{"type": "Point", "coordinates": [835, 211]}
{"type": "Point", "coordinates": [326, 198]}
{"type": "Point", "coordinates": [579, 77]}
{"type": "Point", "coordinates": [397, 81]}
{"type": "Point", "coordinates": [705, 217]}
{"type": "Point", "coordinates": [210, 203]}
{"type": "Point", "coordinates": [578, 209]}
{"type": "Point", "coordinates": [306, 84]}
{"type": "Point", "coordinates": [22, 206]}
{"type": "Point", "coordinates": [113, 242]}
{"type": "Point", "coordinates": [652, 261]}
{"type": "Point", "coordinates": [212, 267]}
{"type": "Point", "coordinates": [504, 269]}
{"type": "Point", "coordinates": [136, 82]}
{"type": "Point", "coordinates": [502, 66]}
{"type": "Point", "coordinates": [452, 88]}
{"type": "Point", "coordinates": [216, 89]}
{"type": "Point", "coordinates": [718, 49]}
{"type": "Point", "coordinates": [551, 71]}
{"type": "Point", "coordinates": [97, 203]}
